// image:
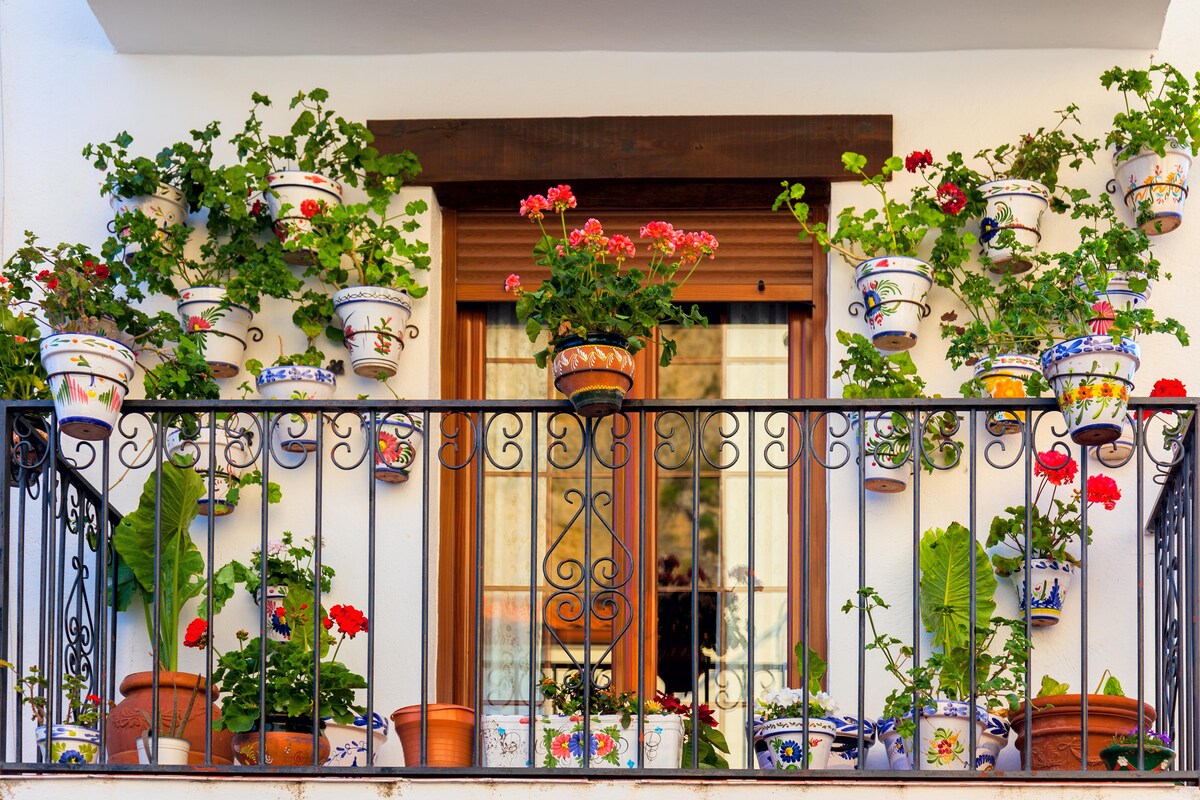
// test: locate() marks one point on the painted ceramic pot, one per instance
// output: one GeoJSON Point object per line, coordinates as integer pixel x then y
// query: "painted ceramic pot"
{"type": "Point", "coordinates": [69, 744]}
{"type": "Point", "coordinates": [224, 325]}
{"type": "Point", "coordinates": [170, 750]}
{"type": "Point", "coordinates": [167, 206]}
{"type": "Point", "coordinates": [1003, 377]}
{"type": "Point", "coordinates": [594, 374]}
{"type": "Point", "coordinates": [1117, 453]}
{"type": "Point", "coordinates": [844, 753]}
{"type": "Point", "coordinates": [89, 378]}
{"type": "Point", "coordinates": [295, 197]}
{"type": "Point", "coordinates": [1124, 757]}
{"type": "Point", "coordinates": [1016, 206]}
{"type": "Point", "coordinates": [787, 747]}
{"type": "Point", "coordinates": [373, 320]}
{"type": "Point", "coordinates": [1049, 582]}
{"type": "Point", "coordinates": [451, 734]}
{"type": "Point", "coordinates": [295, 433]}
{"type": "Point", "coordinates": [348, 743]}
{"type": "Point", "coordinates": [1154, 187]}
{"type": "Point", "coordinates": [1092, 377]}
{"type": "Point", "coordinates": [289, 743]}
{"type": "Point", "coordinates": [399, 439]}
{"type": "Point", "coordinates": [232, 454]}
{"type": "Point", "coordinates": [278, 628]}
{"type": "Point", "coordinates": [885, 454]}
{"type": "Point", "coordinates": [993, 740]}
{"type": "Point", "coordinates": [893, 744]}
{"type": "Point", "coordinates": [558, 741]}
{"type": "Point", "coordinates": [1056, 728]}
{"type": "Point", "coordinates": [893, 290]}
{"type": "Point", "coordinates": [943, 738]}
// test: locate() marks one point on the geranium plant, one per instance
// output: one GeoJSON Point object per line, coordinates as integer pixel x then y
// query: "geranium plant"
{"type": "Point", "coordinates": [32, 689]}
{"type": "Point", "coordinates": [591, 289]}
{"type": "Point", "coordinates": [1161, 106]}
{"type": "Point", "coordinates": [289, 563]}
{"type": "Point", "coordinates": [21, 373]}
{"type": "Point", "coordinates": [185, 166]}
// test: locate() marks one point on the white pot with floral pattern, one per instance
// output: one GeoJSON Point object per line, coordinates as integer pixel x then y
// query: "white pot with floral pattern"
{"type": "Point", "coordinates": [1154, 187]}
{"type": "Point", "coordinates": [69, 744]}
{"type": "Point", "coordinates": [559, 741]}
{"type": "Point", "coordinates": [348, 743]}
{"type": "Point", "coordinates": [1015, 206]}
{"type": "Point", "coordinates": [89, 378]}
{"type": "Point", "coordinates": [1092, 377]}
{"type": "Point", "coordinates": [232, 451]}
{"type": "Point", "coordinates": [943, 737]}
{"type": "Point", "coordinates": [788, 749]}
{"type": "Point", "coordinates": [398, 439]}
{"type": "Point", "coordinates": [1049, 582]}
{"type": "Point", "coordinates": [167, 206]}
{"type": "Point", "coordinates": [294, 198]}
{"type": "Point", "coordinates": [373, 321]}
{"type": "Point", "coordinates": [205, 310]}
{"type": "Point", "coordinates": [886, 453]}
{"type": "Point", "coordinates": [295, 433]}
{"type": "Point", "coordinates": [893, 290]}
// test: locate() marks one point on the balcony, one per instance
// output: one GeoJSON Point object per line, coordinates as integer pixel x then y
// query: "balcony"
{"type": "Point", "coordinates": [582, 568]}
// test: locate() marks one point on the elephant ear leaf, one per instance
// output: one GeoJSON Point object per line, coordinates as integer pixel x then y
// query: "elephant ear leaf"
{"type": "Point", "coordinates": [946, 586]}
{"type": "Point", "coordinates": [134, 540]}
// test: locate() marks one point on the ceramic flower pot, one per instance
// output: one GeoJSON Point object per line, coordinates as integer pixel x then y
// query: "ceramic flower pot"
{"type": "Point", "coordinates": [944, 736]}
{"type": "Point", "coordinates": [594, 374]}
{"type": "Point", "coordinates": [373, 320]}
{"type": "Point", "coordinates": [398, 440]}
{"type": "Point", "coordinates": [787, 748]}
{"type": "Point", "coordinates": [1092, 377]}
{"type": "Point", "coordinates": [348, 743]}
{"type": "Point", "coordinates": [451, 734]}
{"type": "Point", "coordinates": [232, 453]}
{"type": "Point", "coordinates": [558, 741]}
{"type": "Point", "coordinates": [295, 197]}
{"type": "Point", "coordinates": [885, 470]}
{"type": "Point", "coordinates": [1016, 206]}
{"type": "Point", "coordinates": [167, 206]}
{"type": "Point", "coordinates": [1049, 582]}
{"type": "Point", "coordinates": [893, 743]}
{"type": "Point", "coordinates": [1154, 187]}
{"type": "Point", "coordinates": [224, 327]}
{"type": "Point", "coordinates": [1124, 757]}
{"type": "Point", "coordinates": [1057, 727]}
{"type": "Point", "coordinates": [844, 753]}
{"type": "Point", "coordinates": [993, 740]}
{"type": "Point", "coordinates": [1117, 453]}
{"type": "Point", "coordinates": [288, 743]}
{"type": "Point", "coordinates": [170, 749]}
{"type": "Point", "coordinates": [893, 290]}
{"type": "Point", "coordinates": [295, 433]}
{"type": "Point", "coordinates": [1003, 377]}
{"type": "Point", "coordinates": [89, 378]}
{"type": "Point", "coordinates": [69, 744]}
{"type": "Point", "coordinates": [1117, 297]}
{"type": "Point", "coordinates": [278, 628]}
{"type": "Point", "coordinates": [126, 723]}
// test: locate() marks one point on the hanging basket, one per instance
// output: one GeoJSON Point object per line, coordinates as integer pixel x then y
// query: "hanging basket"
{"type": "Point", "coordinates": [1016, 206]}
{"type": "Point", "coordinates": [295, 433]}
{"type": "Point", "coordinates": [893, 290]}
{"type": "Point", "coordinates": [1154, 187]}
{"type": "Point", "coordinates": [1092, 377]}
{"type": "Point", "coordinates": [1003, 377]}
{"type": "Point", "coordinates": [307, 193]}
{"type": "Point", "coordinates": [1049, 582]}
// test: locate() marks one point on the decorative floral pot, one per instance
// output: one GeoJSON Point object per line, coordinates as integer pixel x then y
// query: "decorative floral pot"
{"type": "Point", "coordinates": [288, 743]}
{"type": "Point", "coordinates": [893, 290]}
{"type": "Point", "coordinates": [1003, 377]}
{"type": "Point", "coordinates": [787, 747]}
{"type": "Point", "coordinates": [224, 327]}
{"type": "Point", "coordinates": [170, 749]}
{"type": "Point", "coordinates": [295, 433]}
{"type": "Point", "coordinates": [232, 453]}
{"type": "Point", "coordinates": [1124, 757]}
{"type": "Point", "coordinates": [399, 437]}
{"type": "Point", "coordinates": [558, 741]}
{"type": "Point", "coordinates": [278, 628]}
{"type": "Point", "coordinates": [1017, 206]}
{"type": "Point", "coordinates": [1050, 581]}
{"type": "Point", "coordinates": [1153, 187]}
{"type": "Point", "coordinates": [994, 739]}
{"type": "Point", "coordinates": [893, 744]}
{"type": "Point", "coordinates": [69, 744]}
{"type": "Point", "coordinates": [125, 723]}
{"type": "Point", "coordinates": [944, 736]}
{"type": "Point", "coordinates": [373, 321]}
{"type": "Point", "coordinates": [348, 743]}
{"type": "Point", "coordinates": [89, 378]}
{"type": "Point", "coordinates": [844, 753]}
{"type": "Point", "coordinates": [1092, 376]}
{"type": "Point", "coordinates": [1116, 453]}
{"type": "Point", "coordinates": [306, 193]}
{"type": "Point", "coordinates": [450, 729]}
{"type": "Point", "coordinates": [886, 455]}
{"type": "Point", "coordinates": [594, 374]}
{"type": "Point", "coordinates": [167, 206]}
{"type": "Point", "coordinates": [1057, 727]}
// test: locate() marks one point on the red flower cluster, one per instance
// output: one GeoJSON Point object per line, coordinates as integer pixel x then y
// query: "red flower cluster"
{"type": "Point", "coordinates": [590, 237]}
{"type": "Point", "coordinates": [1103, 489]}
{"type": "Point", "coordinates": [621, 246]}
{"type": "Point", "coordinates": [951, 198]}
{"type": "Point", "coordinates": [309, 208]}
{"type": "Point", "coordinates": [691, 247]}
{"type": "Point", "coordinates": [560, 197]}
{"type": "Point", "coordinates": [196, 634]}
{"type": "Point", "coordinates": [94, 699]}
{"type": "Point", "coordinates": [350, 620]}
{"type": "Point", "coordinates": [918, 159]}
{"type": "Point", "coordinates": [1168, 387]}
{"type": "Point", "coordinates": [512, 282]}
{"type": "Point", "coordinates": [1056, 467]}
{"type": "Point", "coordinates": [535, 206]}
{"type": "Point", "coordinates": [671, 705]}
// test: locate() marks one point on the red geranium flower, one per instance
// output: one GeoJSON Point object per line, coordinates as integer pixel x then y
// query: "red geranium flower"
{"type": "Point", "coordinates": [196, 634]}
{"type": "Point", "coordinates": [94, 699]}
{"type": "Point", "coordinates": [350, 620]}
{"type": "Point", "coordinates": [1103, 489]}
{"type": "Point", "coordinates": [951, 198]}
{"type": "Point", "coordinates": [1056, 467]}
{"type": "Point", "coordinates": [52, 283]}
{"type": "Point", "coordinates": [621, 246]}
{"type": "Point", "coordinates": [561, 197]}
{"type": "Point", "coordinates": [102, 271]}
{"type": "Point", "coordinates": [535, 206]}
{"type": "Point", "coordinates": [43, 275]}
{"type": "Point", "coordinates": [309, 208]}
{"type": "Point", "coordinates": [1166, 387]}
{"type": "Point", "coordinates": [512, 282]}
{"type": "Point", "coordinates": [918, 159]}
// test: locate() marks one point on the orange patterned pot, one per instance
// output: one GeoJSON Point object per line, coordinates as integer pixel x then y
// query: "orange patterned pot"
{"type": "Point", "coordinates": [594, 373]}
{"type": "Point", "coordinates": [288, 744]}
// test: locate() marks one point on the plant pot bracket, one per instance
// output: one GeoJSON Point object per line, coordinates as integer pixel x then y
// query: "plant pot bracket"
{"type": "Point", "coordinates": [1113, 187]}
{"type": "Point", "coordinates": [857, 306]}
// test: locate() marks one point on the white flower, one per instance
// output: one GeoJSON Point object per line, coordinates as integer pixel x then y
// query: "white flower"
{"type": "Point", "coordinates": [826, 702]}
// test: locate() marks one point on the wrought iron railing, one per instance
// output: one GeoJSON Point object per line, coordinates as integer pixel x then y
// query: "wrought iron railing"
{"type": "Point", "coordinates": [571, 525]}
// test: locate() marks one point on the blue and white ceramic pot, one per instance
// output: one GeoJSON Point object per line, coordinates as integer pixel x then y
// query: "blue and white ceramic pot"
{"type": "Point", "coordinates": [278, 628]}
{"type": "Point", "coordinates": [1049, 582]}
{"type": "Point", "coordinates": [232, 453]}
{"type": "Point", "coordinates": [558, 741]}
{"type": "Point", "coordinates": [844, 753]}
{"type": "Point", "coordinates": [893, 290]}
{"type": "Point", "coordinates": [399, 439]}
{"type": "Point", "coordinates": [69, 744]}
{"type": "Point", "coordinates": [293, 199]}
{"type": "Point", "coordinates": [89, 378]}
{"type": "Point", "coordinates": [788, 749]}
{"type": "Point", "coordinates": [1092, 377]}
{"type": "Point", "coordinates": [1003, 377]}
{"type": "Point", "coordinates": [944, 736]}
{"type": "Point", "coordinates": [295, 433]}
{"type": "Point", "coordinates": [224, 325]}
{"type": "Point", "coordinates": [1154, 187]}
{"type": "Point", "coordinates": [1015, 206]}
{"type": "Point", "coordinates": [994, 739]}
{"type": "Point", "coordinates": [348, 743]}
{"type": "Point", "coordinates": [886, 455]}
{"type": "Point", "coordinates": [893, 744]}
{"type": "Point", "coordinates": [373, 321]}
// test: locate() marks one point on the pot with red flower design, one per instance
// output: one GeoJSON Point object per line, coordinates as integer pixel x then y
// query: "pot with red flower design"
{"type": "Point", "coordinates": [373, 322]}
{"type": "Point", "coordinates": [1124, 291]}
{"type": "Point", "coordinates": [1154, 187]}
{"type": "Point", "coordinates": [893, 290]}
{"type": "Point", "coordinates": [1003, 377]}
{"type": "Point", "coordinates": [559, 741]}
{"type": "Point", "coordinates": [295, 197]}
{"type": "Point", "coordinates": [789, 749]}
{"type": "Point", "coordinates": [886, 452]}
{"type": "Point", "coordinates": [1046, 590]}
{"type": "Point", "coordinates": [204, 309]}
{"type": "Point", "coordinates": [398, 437]}
{"type": "Point", "coordinates": [89, 378]}
{"type": "Point", "coordinates": [167, 206]}
{"type": "Point", "coordinates": [231, 451]}
{"type": "Point", "coordinates": [943, 737]}
{"type": "Point", "coordinates": [294, 432]}
{"type": "Point", "coordinates": [593, 372]}
{"type": "Point", "coordinates": [278, 628]}
{"type": "Point", "coordinates": [1092, 377]}
{"type": "Point", "coordinates": [1011, 226]}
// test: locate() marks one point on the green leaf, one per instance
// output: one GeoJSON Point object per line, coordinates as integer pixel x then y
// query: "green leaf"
{"type": "Point", "coordinates": [816, 666]}
{"type": "Point", "coordinates": [1112, 687]}
{"type": "Point", "coordinates": [946, 585]}
{"type": "Point", "coordinates": [853, 162]}
{"type": "Point", "coordinates": [1052, 687]}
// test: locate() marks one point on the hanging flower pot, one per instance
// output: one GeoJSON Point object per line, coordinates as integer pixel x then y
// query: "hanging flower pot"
{"type": "Point", "coordinates": [348, 743]}
{"type": "Point", "coordinates": [306, 193]}
{"type": "Point", "coordinates": [1154, 187]}
{"type": "Point", "coordinates": [885, 453]}
{"type": "Point", "coordinates": [295, 433]}
{"type": "Point", "coordinates": [192, 450]}
{"type": "Point", "coordinates": [373, 321]}
{"type": "Point", "coordinates": [558, 741]}
{"type": "Point", "coordinates": [1017, 206]}
{"type": "Point", "coordinates": [89, 378]}
{"type": "Point", "coordinates": [787, 748]}
{"type": "Point", "coordinates": [1004, 377]}
{"type": "Point", "coordinates": [594, 373]}
{"type": "Point", "coordinates": [397, 439]}
{"type": "Point", "coordinates": [69, 744]}
{"type": "Point", "coordinates": [893, 290]}
{"type": "Point", "coordinates": [1049, 582]}
{"type": "Point", "coordinates": [167, 206]}
{"type": "Point", "coordinates": [224, 326]}
{"type": "Point", "coordinates": [1092, 376]}
{"type": "Point", "coordinates": [278, 628]}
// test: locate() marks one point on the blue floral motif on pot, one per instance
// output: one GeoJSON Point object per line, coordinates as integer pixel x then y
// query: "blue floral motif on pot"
{"type": "Point", "coordinates": [988, 228]}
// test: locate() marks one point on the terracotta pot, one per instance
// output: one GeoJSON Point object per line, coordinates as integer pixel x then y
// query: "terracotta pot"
{"type": "Point", "coordinates": [1057, 726]}
{"type": "Point", "coordinates": [289, 743]}
{"type": "Point", "coordinates": [451, 736]}
{"type": "Point", "coordinates": [594, 374]}
{"type": "Point", "coordinates": [125, 722]}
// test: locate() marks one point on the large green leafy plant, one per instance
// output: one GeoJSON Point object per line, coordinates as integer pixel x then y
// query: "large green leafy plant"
{"type": "Point", "coordinates": [1161, 105]}
{"type": "Point", "coordinates": [183, 165]}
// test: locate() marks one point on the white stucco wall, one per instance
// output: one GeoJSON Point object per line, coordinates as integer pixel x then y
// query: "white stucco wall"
{"type": "Point", "coordinates": [62, 87]}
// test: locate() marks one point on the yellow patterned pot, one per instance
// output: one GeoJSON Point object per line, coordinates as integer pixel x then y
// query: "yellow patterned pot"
{"type": "Point", "coordinates": [594, 374]}
{"type": "Point", "coordinates": [1154, 187]}
{"type": "Point", "coordinates": [1003, 377]}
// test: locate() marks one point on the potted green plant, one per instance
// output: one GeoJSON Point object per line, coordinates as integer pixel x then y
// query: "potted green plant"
{"type": "Point", "coordinates": [1154, 139]}
{"type": "Point", "coordinates": [22, 378]}
{"type": "Point", "coordinates": [598, 310]}
{"type": "Point", "coordinates": [779, 720]}
{"type": "Point", "coordinates": [1051, 565]}
{"type": "Point", "coordinates": [1156, 753]}
{"type": "Point", "coordinates": [75, 740]}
